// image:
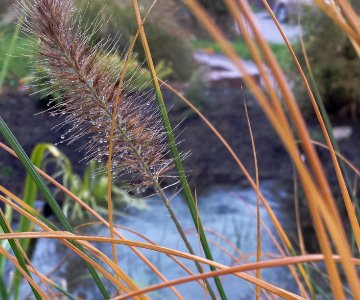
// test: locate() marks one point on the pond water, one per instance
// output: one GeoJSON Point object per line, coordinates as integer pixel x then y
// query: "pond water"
{"type": "Point", "coordinates": [229, 211]}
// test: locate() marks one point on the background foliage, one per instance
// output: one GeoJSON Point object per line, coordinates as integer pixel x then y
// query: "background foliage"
{"type": "Point", "coordinates": [161, 27]}
{"type": "Point", "coordinates": [338, 81]}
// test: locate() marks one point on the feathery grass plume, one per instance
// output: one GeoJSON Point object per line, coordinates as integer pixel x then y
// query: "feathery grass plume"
{"type": "Point", "coordinates": [84, 75]}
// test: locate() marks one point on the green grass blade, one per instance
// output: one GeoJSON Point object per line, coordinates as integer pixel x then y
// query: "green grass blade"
{"type": "Point", "coordinates": [176, 155]}
{"type": "Point", "coordinates": [30, 190]}
{"type": "Point", "coordinates": [9, 53]}
{"type": "Point", "coordinates": [8, 217]}
{"type": "Point", "coordinates": [10, 138]}
{"type": "Point", "coordinates": [20, 258]}
{"type": "Point", "coordinates": [3, 288]}
{"type": "Point", "coordinates": [64, 292]}
{"type": "Point", "coordinates": [3, 291]}
{"type": "Point", "coordinates": [30, 193]}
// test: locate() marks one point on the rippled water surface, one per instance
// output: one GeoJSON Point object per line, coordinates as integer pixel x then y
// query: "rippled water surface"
{"type": "Point", "coordinates": [228, 211]}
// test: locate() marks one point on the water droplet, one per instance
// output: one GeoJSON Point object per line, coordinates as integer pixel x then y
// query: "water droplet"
{"type": "Point", "coordinates": [62, 136]}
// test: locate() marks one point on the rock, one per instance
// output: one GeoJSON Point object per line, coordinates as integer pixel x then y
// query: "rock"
{"type": "Point", "coordinates": [342, 132]}
{"type": "Point", "coordinates": [222, 72]}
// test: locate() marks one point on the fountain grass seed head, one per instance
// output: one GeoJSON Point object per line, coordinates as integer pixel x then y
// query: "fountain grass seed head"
{"type": "Point", "coordinates": [81, 70]}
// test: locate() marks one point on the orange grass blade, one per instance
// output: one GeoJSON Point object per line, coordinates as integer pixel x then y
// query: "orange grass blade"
{"type": "Point", "coordinates": [92, 249]}
{"type": "Point", "coordinates": [297, 215]}
{"type": "Point", "coordinates": [226, 270]}
{"type": "Point", "coordinates": [347, 199]}
{"type": "Point", "coordinates": [340, 156]}
{"type": "Point", "coordinates": [279, 228]}
{"type": "Point", "coordinates": [264, 264]}
{"type": "Point", "coordinates": [333, 12]}
{"type": "Point", "coordinates": [89, 209]}
{"type": "Point", "coordinates": [186, 269]}
{"type": "Point", "coordinates": [111, 138]}
{"type": "Point", "coordinates": [271, 213]}
{"type": "Point", "coordinates": [305, 176]}
{"type": "Point", "coordinates": [258, 229]}
{"type": "Point", "coordinates": [283, 254]}
{"type": "Point", "coordinates": [252, 266]}
{"type": "Point", "coordinates": [21, 270]}
{"type": "Point", "coordinates": [21, 250]}
{"type": "Point", "coordinates": [34, 213]}
{"type": "Point", "coordinates": [177, 162]}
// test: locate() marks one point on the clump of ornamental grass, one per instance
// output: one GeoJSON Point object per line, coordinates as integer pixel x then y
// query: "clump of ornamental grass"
{"type": "Point", "coordinates": [89, 87]}
{"type": "Point", "coordinates": [88, 83]}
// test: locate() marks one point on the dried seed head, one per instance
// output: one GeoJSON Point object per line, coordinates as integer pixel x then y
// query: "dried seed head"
{"type": "Point", "coordinates": [88, 85]}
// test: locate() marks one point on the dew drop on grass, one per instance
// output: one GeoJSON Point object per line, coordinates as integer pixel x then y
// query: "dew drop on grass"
{"type": "Point", "coordinates": [62, 136]}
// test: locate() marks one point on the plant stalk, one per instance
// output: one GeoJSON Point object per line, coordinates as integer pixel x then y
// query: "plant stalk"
{"type": "Point", "coordinates": [175, 152]}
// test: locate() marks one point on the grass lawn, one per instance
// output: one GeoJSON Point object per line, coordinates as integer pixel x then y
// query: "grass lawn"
{"type": "Point", "coordinates": [281, 52]}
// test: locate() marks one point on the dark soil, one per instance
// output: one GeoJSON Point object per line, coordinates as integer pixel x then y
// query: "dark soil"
{"type": "Point", "coordinates": [209, 163]}
{"type": "Point", "coordinates": [31, 125]}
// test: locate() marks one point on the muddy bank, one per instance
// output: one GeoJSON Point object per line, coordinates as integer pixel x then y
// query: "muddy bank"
{"type": "Point", "coordinates": [209, 163]}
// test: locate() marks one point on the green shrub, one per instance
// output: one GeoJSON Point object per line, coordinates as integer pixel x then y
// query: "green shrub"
{"type": "Point", "coordinates": [92, 189]}
{"type": "Point", "coordinates": [196, 89]}
{"type": "Point", "coordinates": [334, 63]}
{"type": "Point", "coordinates": [137, 78]}
{"type": "Point", "coordinates": [167, 42]}
{"type": "Point", "coordinates": [218, 10]}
